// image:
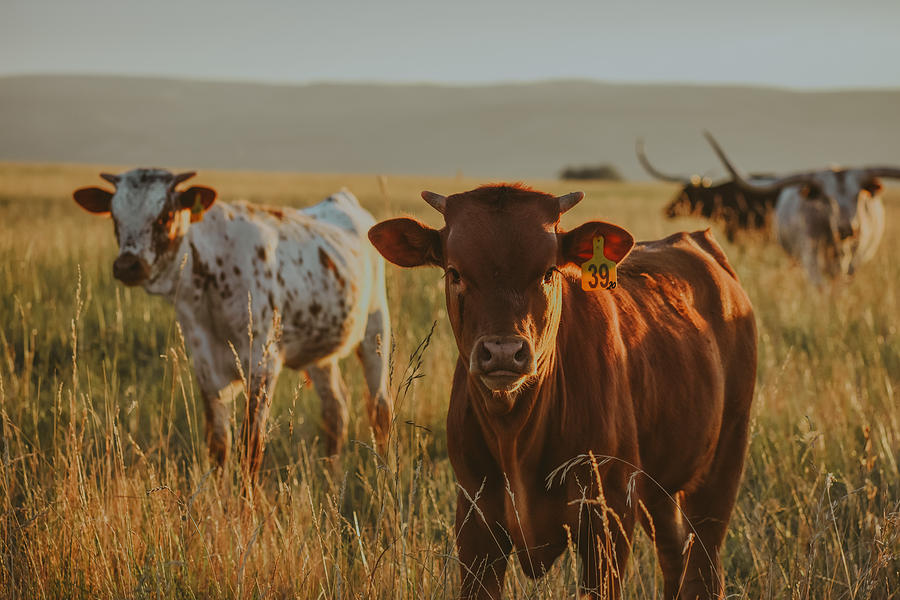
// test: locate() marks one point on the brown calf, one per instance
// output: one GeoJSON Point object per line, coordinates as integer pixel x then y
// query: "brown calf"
{"type": "Point", "coordinates": [653, 378]}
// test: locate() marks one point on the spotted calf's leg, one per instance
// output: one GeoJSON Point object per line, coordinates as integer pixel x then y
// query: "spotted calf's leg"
{"type": "Point", "coordinates": [374, 353]}
{"type": "Point", "coordinates": [218, 425]}
{"type": "Point", "coordinates": [261, 381]}
{"type": "Point", "coordinates": [214, 369]}
{"type": "Point", "coordinates": [216, 414]}
{"type": "Point", "coordinates": [326, 378]}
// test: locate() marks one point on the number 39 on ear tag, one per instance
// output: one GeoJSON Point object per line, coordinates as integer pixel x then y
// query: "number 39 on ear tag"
{"type": "Point", "coordinates": [599, 272]}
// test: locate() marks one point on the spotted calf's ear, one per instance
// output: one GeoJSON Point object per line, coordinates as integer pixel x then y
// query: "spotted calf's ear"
{"type": "Point", "coordinates": [197, 199]}
{"type": "Point", "coordinates": [407, 242]}
{"type": "Point", "coordinates": [93, 199]}
{"type": "Point", "coordinates": [577, 246]}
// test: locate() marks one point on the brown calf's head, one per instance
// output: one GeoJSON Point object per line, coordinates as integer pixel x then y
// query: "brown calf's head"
{"type": "Point", "coordinates": [149, 216]}
{"type": "Point", "coordinates": [502, 250]}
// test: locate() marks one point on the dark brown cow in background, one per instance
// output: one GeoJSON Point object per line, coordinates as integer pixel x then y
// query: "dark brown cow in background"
{"type": "Point", "coordinates": [737, 208]}
{"type": "Point", "coordinates": [654, 379]}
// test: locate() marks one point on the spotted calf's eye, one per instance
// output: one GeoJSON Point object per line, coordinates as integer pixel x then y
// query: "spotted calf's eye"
{"type": "Point", "coordinates": [453, 275]}
{"type": "Point", "coordinates": [165, 218]}
{"type": "Point", "coordinates": [548, 276]}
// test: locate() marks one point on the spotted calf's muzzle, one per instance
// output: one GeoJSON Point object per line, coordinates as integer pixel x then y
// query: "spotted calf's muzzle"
{"type": "Point", "coordinates": [130, 269]}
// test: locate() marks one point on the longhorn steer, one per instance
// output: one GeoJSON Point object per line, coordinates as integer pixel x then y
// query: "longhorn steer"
{"type": "Point", "coordinates": [310, 271]}
{"type": "Point", "coordinates": [830, 220]}
{"type": "Point", "coordinates": [725, 202]}
{"type": "Point", "coordinates": [654, 378]}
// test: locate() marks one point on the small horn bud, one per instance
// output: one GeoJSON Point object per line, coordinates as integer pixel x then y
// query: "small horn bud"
{"type": "Point", "coordinates": [569, 200]}
{"type": "Point", "coordinates": [437, 202]}
{"type": "Point", "coordinates": [181, 177]}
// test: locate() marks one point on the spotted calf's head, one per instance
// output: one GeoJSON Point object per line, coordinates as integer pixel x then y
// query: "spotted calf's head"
{"type": "Point", "coordinates": [149, 215]}
{"type": "Point", "coordinates": [501, 250]}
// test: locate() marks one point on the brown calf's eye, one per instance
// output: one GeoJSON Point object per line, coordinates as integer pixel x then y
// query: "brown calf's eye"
{"type": "Point", "coordinates": [548, 276]}
{"type": "Point", "coordinates": [453, 275]}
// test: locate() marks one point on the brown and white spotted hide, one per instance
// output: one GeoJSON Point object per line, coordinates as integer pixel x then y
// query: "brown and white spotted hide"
{"type": "Point", "coordinates": [304, 285]}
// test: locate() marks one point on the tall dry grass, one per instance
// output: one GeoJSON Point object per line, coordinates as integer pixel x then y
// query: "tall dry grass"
{"type": "Point", "coordinates": [107, 491]}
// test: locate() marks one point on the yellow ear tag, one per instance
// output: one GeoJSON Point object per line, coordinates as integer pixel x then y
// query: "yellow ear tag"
{"type": "Point", "coordinates": [599, 272]}
{"type": "Point", "coordinates": [197, 208]}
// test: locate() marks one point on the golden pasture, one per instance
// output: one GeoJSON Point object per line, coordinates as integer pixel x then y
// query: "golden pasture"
{"type": "Point", "coordinates": [106, 490]}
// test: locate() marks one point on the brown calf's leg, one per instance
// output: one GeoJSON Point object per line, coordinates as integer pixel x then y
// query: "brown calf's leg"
{"type": "Point", "coordinates": [667, 528]}
{"type": "Point", "coordinates": [326, 378]}
{"type": "Point", "coordinates": [483, 548]}
{"type": "Point", "coordinates": [373, 353]}
{"type": "Point", "coordinates": [709, 509]}
{"type": "Point", "coordinates": [604, 542]}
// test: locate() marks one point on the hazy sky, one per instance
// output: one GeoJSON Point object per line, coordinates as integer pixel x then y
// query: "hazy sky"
{"type": "Point", "coordinates": [808, 43]}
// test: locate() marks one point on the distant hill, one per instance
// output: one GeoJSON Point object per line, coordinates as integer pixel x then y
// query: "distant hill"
{"type": "Point", "coordinates": [493, 131]}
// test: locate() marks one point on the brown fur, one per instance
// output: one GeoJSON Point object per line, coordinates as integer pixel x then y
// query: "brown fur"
{"type": "Point", "coordinates": [654, 379]}
{"type": "Point", "coordinates": [726, 203]}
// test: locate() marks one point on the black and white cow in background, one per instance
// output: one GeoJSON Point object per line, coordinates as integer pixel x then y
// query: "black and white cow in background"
{"type": "Point", "coordinates": [830, 220]}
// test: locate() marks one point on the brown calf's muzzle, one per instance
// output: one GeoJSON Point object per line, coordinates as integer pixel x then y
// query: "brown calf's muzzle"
{"type": "Point", "coordinates": [130, 269]}
{"type": "Point", "coordinates": [502, 362]}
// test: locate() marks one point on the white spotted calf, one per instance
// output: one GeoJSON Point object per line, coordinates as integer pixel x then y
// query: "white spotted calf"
{"type": "Point", "coordinates": [313, 268]}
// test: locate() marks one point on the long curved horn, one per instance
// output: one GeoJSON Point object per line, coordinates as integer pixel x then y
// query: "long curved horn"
{"type": "Point", "coordinates": [569, 200]}
{"type": "Point", "coordinates": [113, 179]}
{"type": "Point", "coordinates": [642, 158]}
{"type": "Point", "coordinates": [741, 180]}
{"type": "Point", "coordinates": [437, 202]}
{"type": "Point", "coordinates": [181, 177]}
{"type": "Point", "coordinates": [893, 172]}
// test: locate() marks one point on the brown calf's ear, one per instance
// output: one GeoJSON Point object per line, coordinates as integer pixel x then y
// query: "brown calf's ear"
{"type": "Point", "coordinates": [93, 199]}
{"type": "Point", "coordinates": [407, 242]}
{"type": "Point", "coordinates": [197, 198]}
{"type": "Point", "coordinates": [577, 246]}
